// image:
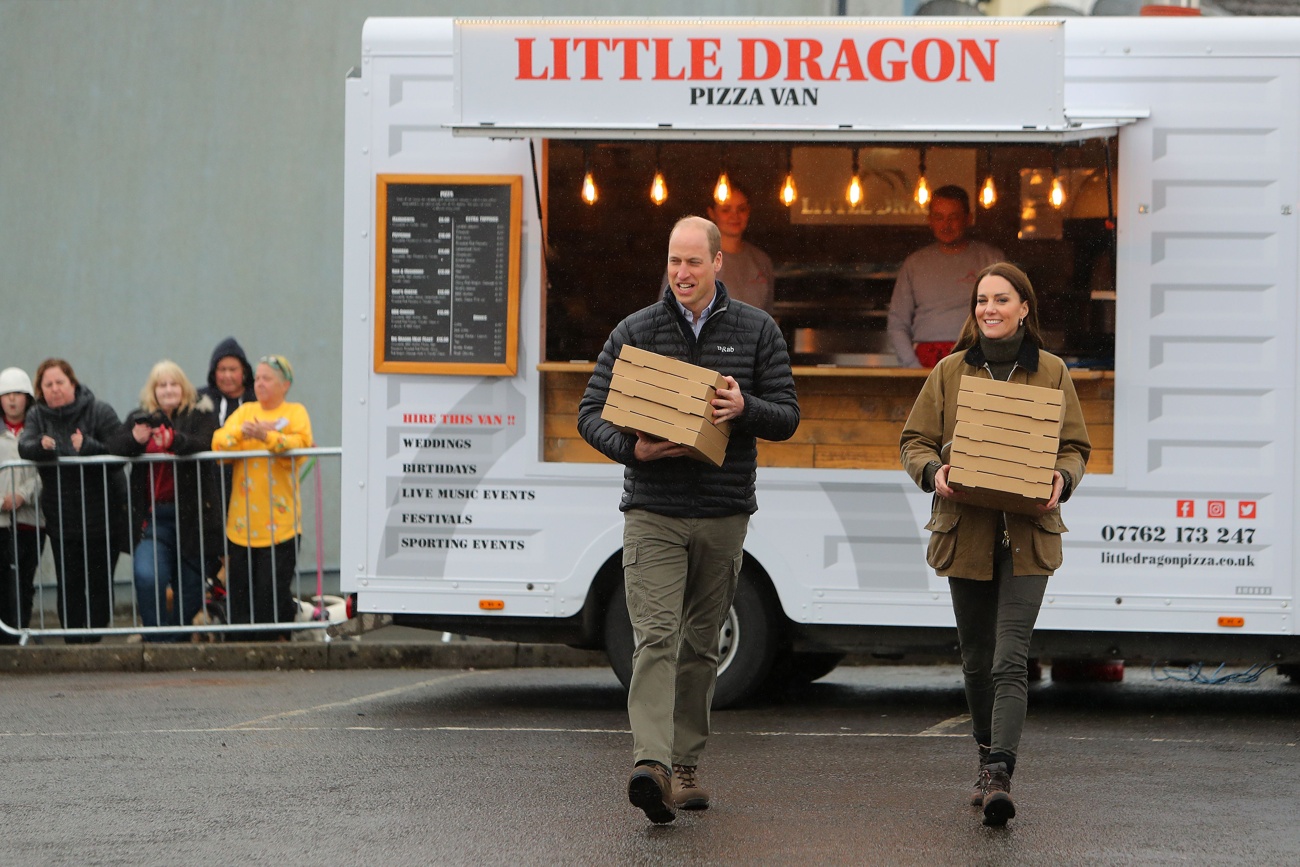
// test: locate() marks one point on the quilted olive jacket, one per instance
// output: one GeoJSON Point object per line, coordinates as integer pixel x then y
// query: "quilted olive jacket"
{"type": "Point", "coordinates": [961, 535]}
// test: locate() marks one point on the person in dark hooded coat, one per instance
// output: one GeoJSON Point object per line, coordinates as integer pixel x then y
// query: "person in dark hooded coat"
{"type": "Point", "coordinates": [230, 379]}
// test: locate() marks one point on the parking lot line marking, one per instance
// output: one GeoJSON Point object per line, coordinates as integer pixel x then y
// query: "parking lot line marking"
{"type": "Point", "coordinates": [360, 699]}
{"type": "Point", "coordinates": [944, 727]}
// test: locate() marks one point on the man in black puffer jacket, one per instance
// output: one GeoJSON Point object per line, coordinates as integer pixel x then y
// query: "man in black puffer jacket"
{"type": "Point", "coordinates": [685, 520]}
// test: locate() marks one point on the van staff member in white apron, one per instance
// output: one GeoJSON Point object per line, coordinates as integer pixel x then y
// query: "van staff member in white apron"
{"type": "Point", "coordinates": [997, 563]}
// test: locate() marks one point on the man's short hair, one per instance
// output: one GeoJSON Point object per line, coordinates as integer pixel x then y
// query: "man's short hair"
{"type": "Point", "coordinates": [711, 232]}
{"type": "Point", "coordinates": [953, 193]}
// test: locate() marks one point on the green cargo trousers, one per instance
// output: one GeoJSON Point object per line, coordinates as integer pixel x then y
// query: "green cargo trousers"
{"type": "Point", "coordinates": [680, 575]}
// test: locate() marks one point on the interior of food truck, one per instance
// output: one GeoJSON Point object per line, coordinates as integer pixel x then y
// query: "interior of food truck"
{"type": "Point", "coordinates": [610, 205]}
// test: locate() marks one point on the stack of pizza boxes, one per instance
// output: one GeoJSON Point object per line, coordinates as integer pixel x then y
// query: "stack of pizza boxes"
{"type": "Point", "coordinates": [668, 399]}
{"type": "Point", "coordinates": [1004, 446]}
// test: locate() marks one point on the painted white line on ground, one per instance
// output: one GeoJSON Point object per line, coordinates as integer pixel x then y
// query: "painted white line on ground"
{"type": "Point", "coordinates": [398, 690]}
{"type": "Point", "coordinates": [944, 727]}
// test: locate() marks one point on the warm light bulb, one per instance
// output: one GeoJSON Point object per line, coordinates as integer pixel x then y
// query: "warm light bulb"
{"type": "Point", "coordinates": [922, 192]}
{"type": "Point", "coordinates": [589, 189]}
{"type": "Point", "coordinates": [722, 191]}
{"type": "Point", "coordinates": [1057, 196]}
{"type": "Point", "coordinates": [854, 194]}
{"type": "Point", "coordinates": [658, 189]}
{"type": "Point", "coordinates": [788, 192]}
{"type": "Point", "coordinates": [988, 193]}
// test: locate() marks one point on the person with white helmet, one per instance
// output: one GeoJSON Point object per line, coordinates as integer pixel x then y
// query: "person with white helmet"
{"type": "Point", "coordinates": [20, 519]}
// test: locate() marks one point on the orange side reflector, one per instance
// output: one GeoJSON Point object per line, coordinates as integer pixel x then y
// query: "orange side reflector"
{"type": "Point", "coordinates": [500, 604]}
{"type": "Point", "coordinates": [1232, 621]}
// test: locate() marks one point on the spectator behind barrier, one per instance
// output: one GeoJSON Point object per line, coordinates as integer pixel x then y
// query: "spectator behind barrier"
{"type": "Point", "coordinates": [230, 379]}
{"type": "Point", "coordinates": [84, 506]}
{"type": "Point", "coordinates": [175, 506]}
{"type": "Point", "coordinates": [264, 519]}
{"type": "Point", "coordinates": [20, 537]}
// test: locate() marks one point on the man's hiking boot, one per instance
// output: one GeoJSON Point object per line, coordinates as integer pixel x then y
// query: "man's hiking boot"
{"type": "Point", "coordinates": [688, 794]}
{"type": "Point", "coordinates": [651, 789]}
{"type": "Point", "coordinates": [998, 806]}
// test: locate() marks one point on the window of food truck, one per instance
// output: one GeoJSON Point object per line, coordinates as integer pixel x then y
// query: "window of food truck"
{"type": "Point", "coordinates": [833, 264]}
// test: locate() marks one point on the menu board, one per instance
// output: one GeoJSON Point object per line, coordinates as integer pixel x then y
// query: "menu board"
{"type": "Point", "coordinates": [447, 274]}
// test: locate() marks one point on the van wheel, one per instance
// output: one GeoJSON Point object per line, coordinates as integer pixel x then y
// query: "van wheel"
{"type": "Point", "coordinates": [747, 644]}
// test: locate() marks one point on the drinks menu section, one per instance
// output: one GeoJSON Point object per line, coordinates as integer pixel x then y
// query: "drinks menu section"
{"type": "Point", "coordinates": [448, 275]}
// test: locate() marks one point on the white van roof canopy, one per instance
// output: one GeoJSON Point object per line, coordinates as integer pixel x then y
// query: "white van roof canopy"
{"type": "Point", "coordinates": [920, 79]}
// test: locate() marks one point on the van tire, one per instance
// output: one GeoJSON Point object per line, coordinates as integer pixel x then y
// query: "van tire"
{"type": "Point", "coordinates": [744, 669]}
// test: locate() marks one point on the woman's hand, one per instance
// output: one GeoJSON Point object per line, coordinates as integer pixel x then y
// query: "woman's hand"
{"type": "Point", "coordinates": [11, 502]}
{"type": "Point", "coordinates": [1058, 485]}
{"type": "Point", "coordinates": [77, 440]}
{"type": "Point", "coordinates": [163, 438]}
{"type": "Point", "coordinates": [941, 486]}
{"type": "Point", "coordinates": [140, 431]}
{"type": "Point", "coordinates": [256, 429]}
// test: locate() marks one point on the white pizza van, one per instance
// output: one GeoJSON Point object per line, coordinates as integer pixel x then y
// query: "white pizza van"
{"type": "Point", "coordinates": [510, 184]}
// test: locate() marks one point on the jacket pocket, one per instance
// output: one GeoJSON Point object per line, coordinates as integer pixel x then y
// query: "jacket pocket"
{"type": "Point", "coordinates": [633, 583]}
{"type": "Point", "coordinates": [1047, 540]}
{"type": "Point", "coordinates": [943, 539]}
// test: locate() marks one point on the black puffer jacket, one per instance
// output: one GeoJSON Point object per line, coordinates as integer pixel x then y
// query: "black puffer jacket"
{"type": "Point", "coordinates": [69, 506]}
{"type": "Point", "coordinates": [736, 340]}
{"type": "Point", "coordinates": [199, 518]}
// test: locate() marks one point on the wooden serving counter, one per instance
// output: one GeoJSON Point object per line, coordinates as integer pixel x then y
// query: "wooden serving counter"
{"type": "Point", "coordinates": [850, 417]}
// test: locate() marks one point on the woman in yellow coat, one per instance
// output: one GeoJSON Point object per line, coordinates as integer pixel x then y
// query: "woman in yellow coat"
{"type": "Point", "coordinates": [264, 519]}
{"type": "Point", "coordinates": [997, 563]}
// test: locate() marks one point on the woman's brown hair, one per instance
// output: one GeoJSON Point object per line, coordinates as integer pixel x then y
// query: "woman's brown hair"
{"type": "Point", "coordinates": [1019, 280]}
{"type": "Point", "coordinates": [46, 365]}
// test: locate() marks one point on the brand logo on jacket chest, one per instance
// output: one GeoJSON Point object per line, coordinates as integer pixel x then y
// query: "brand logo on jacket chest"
{"type": "Point", "coordinates": [722, 348]}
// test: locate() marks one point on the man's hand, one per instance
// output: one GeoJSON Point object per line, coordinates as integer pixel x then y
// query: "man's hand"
{"type": "Point", "coordinates": [649, 448]}
{"type": "Point", "coordinates": [728, 403]}
{"type": "Point", "coordinates": [77, 438]}
{"type": "Point", "coordinates": [256, 429]}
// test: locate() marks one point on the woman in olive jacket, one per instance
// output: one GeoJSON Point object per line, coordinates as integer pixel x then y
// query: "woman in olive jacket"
{"type": "Point", "coordinates": [997, 563]}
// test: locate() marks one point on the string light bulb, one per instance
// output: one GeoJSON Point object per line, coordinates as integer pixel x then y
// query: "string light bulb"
{"type": "Point", "coordinates": [722, 190]}
{"type": "Point", "coordinates": [788, 191]}
{"type": "Point", "coordinates": [854, 194]}
{"type": "Point", "coordinates": [1057, 195]}
{"type": "Point", "coordinates": [589, 194]}
{"type": "Point", "coordinates": [658, 187]}
{"type": "Point", "coordinates": [988, 192]}
{"type": "Point", "coordinates": [922, 194]}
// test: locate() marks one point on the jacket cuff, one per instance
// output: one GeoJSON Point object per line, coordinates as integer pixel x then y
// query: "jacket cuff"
{"type": "Point", "coordinates": [927, 476]}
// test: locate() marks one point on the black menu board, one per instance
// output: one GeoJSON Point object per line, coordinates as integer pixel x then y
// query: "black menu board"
{"type": "Point", "coordinates": [447, 274]}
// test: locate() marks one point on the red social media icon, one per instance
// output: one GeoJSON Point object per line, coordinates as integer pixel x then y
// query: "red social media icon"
{"type": "Point", "coordinates": [1186, 508]}
{"type": "Point", "coordinates": [1246, 509]}
{"type": "Point", "coordinates": [1216, 508]}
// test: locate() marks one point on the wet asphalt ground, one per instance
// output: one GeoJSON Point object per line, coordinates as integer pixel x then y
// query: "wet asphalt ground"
{"type": "Point", "coordinates": [394, 767]}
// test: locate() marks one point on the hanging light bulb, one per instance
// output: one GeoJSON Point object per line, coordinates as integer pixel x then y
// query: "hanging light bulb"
{"type": "Point", "coordinates": [922, 194]}
{"type": "Point", "coordinates": [854, 194]}
{"type": "Point", "coordinates": [658, 188]}
{"type": "Point", "coordinates": [588, 182]}
{"type": "Point", "coordinates": [988, 192]}
{"type": "Point", "coordinates": [1057, 195]}
{"type": "Point", "coordinates": [788, 191]}
{"type": "Point", "coordinates": [722, 190]}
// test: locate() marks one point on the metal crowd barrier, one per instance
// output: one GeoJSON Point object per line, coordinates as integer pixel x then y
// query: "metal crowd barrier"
{"type": "Point", "coordinates": [47, 620]}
